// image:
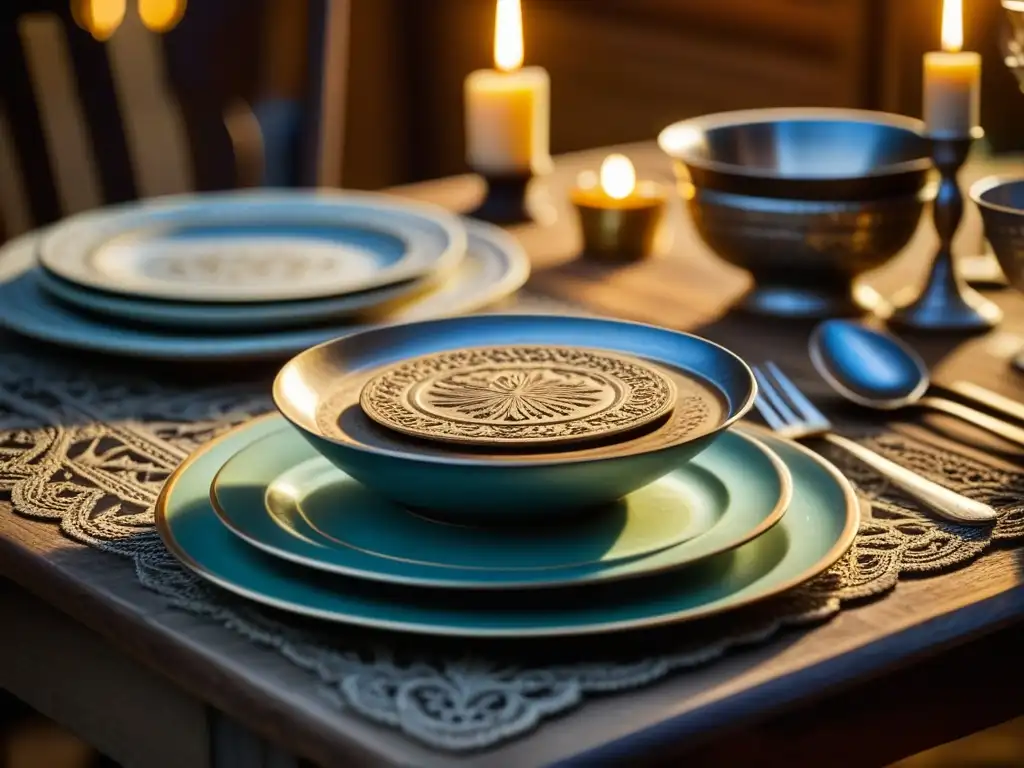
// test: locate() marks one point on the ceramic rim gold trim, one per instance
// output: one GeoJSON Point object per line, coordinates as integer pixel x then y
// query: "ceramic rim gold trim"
{"type": "Point", "coordinates": [842, 545]}
{"type": "Point", "coordinates": [770, 521]}
{"type": "Point", "coordinates": [741, 409]}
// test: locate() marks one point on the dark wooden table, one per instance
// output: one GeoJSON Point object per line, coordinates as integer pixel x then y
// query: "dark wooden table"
{"type": "Point", "coordinates": [85, 644]}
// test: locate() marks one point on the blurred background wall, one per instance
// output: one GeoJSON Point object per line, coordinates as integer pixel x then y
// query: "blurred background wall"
{"type": "Point", "coordinates": [392, 73]}
{"type": "Point", "coordinates": [622, 69]}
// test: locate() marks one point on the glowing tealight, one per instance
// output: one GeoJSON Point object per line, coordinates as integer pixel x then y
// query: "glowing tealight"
{"type": "Point", "coordinates": [618, 177]}
{"type": "Point", "coordinates": [619, 216]}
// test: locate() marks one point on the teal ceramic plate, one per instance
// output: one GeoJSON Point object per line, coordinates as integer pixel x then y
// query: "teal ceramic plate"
{"type": "Point", "coordinates": [816, 531]}
{"type": "Point", "coordinates": [253, 245]}
{"type": "Point", "coordinates": [279, 495]}
{"type": "Point", "coordinates": [494, 267]}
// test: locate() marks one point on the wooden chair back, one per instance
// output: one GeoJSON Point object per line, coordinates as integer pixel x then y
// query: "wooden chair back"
{"type": "Point", "coordinates": [239, 93]}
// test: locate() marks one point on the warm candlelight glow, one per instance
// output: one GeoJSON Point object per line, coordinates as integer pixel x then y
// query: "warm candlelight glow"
{"type": "Point", "coordinates": [508, 107]}
{"type": "Point", "coordinates": [161, 15]}
{"type": "Point", "coordinates": [618, 178]}
{"type": "Point", "coordinates": [952, 25]}
{"type": "Point", "coordinates": [952, 80]}
{"type": "Point", "coordinates": [508, 36]}
{"type": "Point", "coordinates": [620, 216]}
{"type": "Point", "coordinates": [100, 18]}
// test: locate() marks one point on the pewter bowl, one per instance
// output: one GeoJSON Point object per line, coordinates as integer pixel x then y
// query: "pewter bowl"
{"type": "Point", "coordinates": [1001, 202]}
{"type": "Point", "coordinates": [805, 256]}
{"type": "Point", "coordinates": [801, 154]}
{"type": "Point", "coordinates": [320, 393]}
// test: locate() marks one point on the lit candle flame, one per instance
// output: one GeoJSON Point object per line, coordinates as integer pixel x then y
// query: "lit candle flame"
{"type": "Point", "coordinates": [508, 36]}
{"type": "Point", "coordinates": [952, 25]}
{"type": "Point", "coordinates": [618, 178]}
{"type": "Point", "coordinates": [161, 15]}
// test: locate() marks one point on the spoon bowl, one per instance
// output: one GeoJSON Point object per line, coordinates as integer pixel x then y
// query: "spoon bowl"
{"type": "Point", "coordinates": [868, 367]}
{"type": "Point", "coordinates": [877, 370]}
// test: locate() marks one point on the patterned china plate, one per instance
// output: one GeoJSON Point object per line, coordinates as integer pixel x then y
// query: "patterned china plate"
{"type": "Point", "coordinates": [517, 396]}
{"type": "Point", "coordinates": [494, 267]}
{"type": "Point", "coordinates": [252, 246]}
{"type": "Point", "coordinates": [279, 495]}
{"type": "Point", "coordinates": [818, 528]}
{"type": "Point", "coordinates": [698, 408]}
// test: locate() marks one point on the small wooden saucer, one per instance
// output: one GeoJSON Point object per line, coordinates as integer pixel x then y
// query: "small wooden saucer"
{"type": "Point", "coordinates": [518, 396]}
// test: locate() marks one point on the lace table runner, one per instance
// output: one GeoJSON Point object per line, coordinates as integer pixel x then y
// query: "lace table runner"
{"type": "Point", "coordinates": [90, 452]}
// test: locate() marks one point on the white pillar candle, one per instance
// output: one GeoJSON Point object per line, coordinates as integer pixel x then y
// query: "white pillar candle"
{"type": "Point", "coordinates": [952, 80]}
{"type": "Point", "coordinates": [508, 108]}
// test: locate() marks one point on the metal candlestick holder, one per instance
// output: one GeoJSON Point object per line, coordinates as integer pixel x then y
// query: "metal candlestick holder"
{"type": "Point", "coordinates": [504, 200]}
{"type": "Point", "coordinates": [947, 302]}
{"type": "Point", "coordinates": [508, 198]}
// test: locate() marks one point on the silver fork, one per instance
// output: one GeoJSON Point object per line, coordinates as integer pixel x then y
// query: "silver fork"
{"type": "Point", "coordinates": [790, 414]}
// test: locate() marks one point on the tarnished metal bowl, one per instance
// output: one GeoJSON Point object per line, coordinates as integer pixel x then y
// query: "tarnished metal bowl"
{"type": "Point", "coordinates": [1001, 202]}
{"type": "Point", "coordinates": [805, 256]}
{"type": "Point", "coordinates": [806, 200]}
{"type": "Point", "coordinates": [801, 154]}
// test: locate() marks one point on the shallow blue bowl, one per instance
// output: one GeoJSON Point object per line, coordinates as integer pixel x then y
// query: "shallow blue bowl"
{"type": "Point", "coordinates": [479, 488]}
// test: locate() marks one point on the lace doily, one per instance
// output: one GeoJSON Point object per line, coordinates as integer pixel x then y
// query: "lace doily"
{"type": "Point", "coordinates": [91, 453]}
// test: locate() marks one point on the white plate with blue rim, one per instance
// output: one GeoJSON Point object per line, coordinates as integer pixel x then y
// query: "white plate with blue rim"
{"type": "Point", "coordinates": [253, 246]}
{"type": "Point", "coordinates": [494, 267]}
{"type": "Point", "coordinates": [182, 315]}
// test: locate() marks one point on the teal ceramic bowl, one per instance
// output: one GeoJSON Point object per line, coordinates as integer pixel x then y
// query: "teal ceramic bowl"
{"type": "Point", "coordinates": [469, 486]}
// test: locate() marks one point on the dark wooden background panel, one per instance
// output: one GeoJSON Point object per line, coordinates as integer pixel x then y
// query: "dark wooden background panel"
{"type": "Point", "coordinates": [622, 69]}
{"type": "Point", "coordinates": [381, 122]}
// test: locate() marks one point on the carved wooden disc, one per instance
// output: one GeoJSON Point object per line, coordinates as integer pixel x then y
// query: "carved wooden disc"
{"type": "Point", "coordinates": [518, 395]}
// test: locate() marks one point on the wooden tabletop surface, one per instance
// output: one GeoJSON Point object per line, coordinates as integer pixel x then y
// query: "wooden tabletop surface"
{"type": "Point", "coordinates": [874, 655]}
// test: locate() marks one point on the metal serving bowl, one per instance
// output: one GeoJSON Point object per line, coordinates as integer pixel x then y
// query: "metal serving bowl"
{"type": "Point", "coordinates": [801, 154]}
{"type": "Point", "coordinates": [1001, 202]}
{"type": "Point", "coordinates": [805, 256]}
{"type": "Point", "coordinates": [480, 488]}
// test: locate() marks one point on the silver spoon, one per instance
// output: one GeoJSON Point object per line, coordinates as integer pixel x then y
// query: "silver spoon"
{"type": "Point", "coordinates": [879, 371]}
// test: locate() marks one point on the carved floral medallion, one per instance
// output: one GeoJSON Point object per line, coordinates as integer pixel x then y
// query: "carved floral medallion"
{"type": "Point", "coordinates": [512, 395]}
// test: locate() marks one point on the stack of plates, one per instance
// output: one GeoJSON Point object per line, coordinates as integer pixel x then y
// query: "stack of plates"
{"type": "Point", "coordinates": [508, 476]}
{"type": "Point", "coordinates": [247, 275]}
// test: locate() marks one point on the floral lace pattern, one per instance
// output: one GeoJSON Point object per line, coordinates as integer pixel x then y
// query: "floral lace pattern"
{"type": "Point", "coordinates": [91, 454]}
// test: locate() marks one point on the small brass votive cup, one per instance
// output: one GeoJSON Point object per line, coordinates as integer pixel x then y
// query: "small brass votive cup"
{"type": "Point", "coordinates": [619, 230]}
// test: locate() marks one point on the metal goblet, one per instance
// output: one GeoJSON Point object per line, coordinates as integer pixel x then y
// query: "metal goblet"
{"type": "Point", "coordinates": [806, 200]}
